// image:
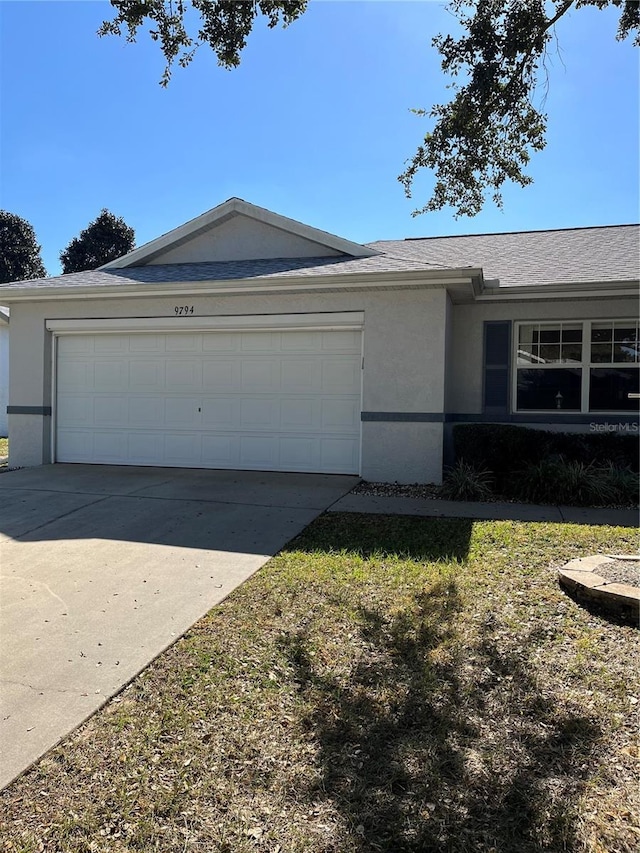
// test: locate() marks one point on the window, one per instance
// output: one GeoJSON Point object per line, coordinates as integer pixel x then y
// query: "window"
{"type": "Point", "coordinates": [577, 366]}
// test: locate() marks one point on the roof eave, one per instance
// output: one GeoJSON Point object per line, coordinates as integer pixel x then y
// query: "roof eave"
{"type": "Point", "coordinates": [553, 290]}
{"type": "Point", "coordinates": [275, 284]}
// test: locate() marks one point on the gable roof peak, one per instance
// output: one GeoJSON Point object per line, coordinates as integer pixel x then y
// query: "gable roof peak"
{"type": "Point", "coordinates": [229, 209]}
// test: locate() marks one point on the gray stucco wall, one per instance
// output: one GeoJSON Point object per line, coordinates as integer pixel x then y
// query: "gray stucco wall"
{"type": "Point", "coordinates": [4, 375]}
{"type": "Point", "coordinates": [404, 356]}
{"type": "Point", "coordinates": [240, 238]}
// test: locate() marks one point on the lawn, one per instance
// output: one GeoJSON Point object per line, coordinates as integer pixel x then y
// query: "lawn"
{"type": "Point", "coordinates": [4, 446]}
{"type": "Point", "coordinates": [383, 684]}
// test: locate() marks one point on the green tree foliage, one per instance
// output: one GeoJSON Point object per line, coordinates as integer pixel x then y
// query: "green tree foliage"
{"type": "Point", "coordinates": [224, 25]}
{"type": "Point", "coordinates": [106, 238]}
{"type": "Point", "coordinates": [483, 137]}
{"type": "Point", "coordinates": [19, 250]}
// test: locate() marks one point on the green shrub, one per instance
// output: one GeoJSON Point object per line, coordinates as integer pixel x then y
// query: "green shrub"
{"type": "Point", "coordinates": [624, 482]}
{"type": "Point", "coordinates": [506, 449]}
{"type": "Point", "coordinates": [463, 482]}
{"type": "Point", "coordinates": [560, 481]}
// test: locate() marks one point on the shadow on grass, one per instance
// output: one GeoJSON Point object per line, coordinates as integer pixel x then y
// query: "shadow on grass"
{"type": "Point", "coordinates": [430, 746]}
{"type": "Point", "coordinates": [369, 535]}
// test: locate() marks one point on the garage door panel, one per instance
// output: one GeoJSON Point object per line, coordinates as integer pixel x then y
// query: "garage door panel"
{"type": "Point", "coordinates": [257, 451]}
{"type": "Point", "coordinates": [340, 375]}
{"type": "Point", "coordinates": [107, 446]}
{"type": "Point", "coordinates": [339, 454]}
{"type": "Point", "coordinates": [110, 411]}
{"type": "Point", "coordinates": [220, 451]}
{"type": "Point", "coordinates": [285, 401]}
{"type": "Point", "coordinates": [183, 374]}
{"type": "Point", "coordinates": [146, 375]}
{"type": "Point", "coordinates": [343, 415]}
{"type": "Point", "coordinates": [145, 412]}
{"type": "Point", "coordinates": [299, 453]}
{"type": "Point", "coordinates": [222, 342]}
{"type": "Point", "coordinates": [220, 375]}
{"type": "Point", "coordinates": [146, 343]}
{"type": "Point", "coordinates": [259, 413]}
{"type": "Point", "coordinates": [299, 413]}
{"type": "Point", "coordinates": [76, 344]}
{"type": "Point", "coordinates": [182, 412]}
{"type": "Point", "coordinates": [259, 375]}
{"type": "Point", "coordinates": [186, 342]}
{"type": "Point", "coordinates": [220, 413]}
{"type": "Point", "coordinates": [76, 378]}
{"type": "Point", "coordinates": [75, 410]}
{"type": "Point", "coordinates": [259, 341]}
{"type": "Point", "coordinates": [111, 375]}
{"type": "Point", "coordinates": [182, 449]}
{"type": "Point", "coordinates": [143, 448]}
{"type": "Point", "coordinates": [300, 375]}
{"type": "Point", "coordinates": [111, 344]}
{"type": "Point", "coordinates": [74, 445]}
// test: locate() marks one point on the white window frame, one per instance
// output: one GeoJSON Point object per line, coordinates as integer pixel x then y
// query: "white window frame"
{"type": "Point", "coordinates": [585, 365]}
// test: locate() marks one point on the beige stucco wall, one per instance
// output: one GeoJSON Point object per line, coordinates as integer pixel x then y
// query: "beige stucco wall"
{"type": "Point", "coordinates": [464, 365]}
{"type": "Point", "coordinates": [404, 346]}
{"type": "Point", "coordinates": [241, 238]}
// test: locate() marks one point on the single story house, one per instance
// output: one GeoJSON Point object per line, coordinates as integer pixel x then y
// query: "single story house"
{"type": "Point", "coordinates": [246, 340]}
{"type": "Point", "coordinates": [4, 370]}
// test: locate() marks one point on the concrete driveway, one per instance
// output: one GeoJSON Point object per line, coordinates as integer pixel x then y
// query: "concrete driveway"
{"type": "Point", "coordinates": [102, 568]}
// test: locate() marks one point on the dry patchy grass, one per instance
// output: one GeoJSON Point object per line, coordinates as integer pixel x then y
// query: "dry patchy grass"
{"type": "Point", "coordinates": [399, 685]}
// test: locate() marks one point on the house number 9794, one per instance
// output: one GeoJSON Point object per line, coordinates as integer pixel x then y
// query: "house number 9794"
{"type": "Point", "coordinates": [181, 310]}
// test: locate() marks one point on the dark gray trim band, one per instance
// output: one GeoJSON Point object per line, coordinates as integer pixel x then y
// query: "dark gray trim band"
{"type": "Point", "coordinates": [28, 410]}
{"type": "Point", "coordinates": [551, 418]}
{"type": "Point", "coordinates": [404, 417]}
{"type": "Point", "coordinates": [486, 418]}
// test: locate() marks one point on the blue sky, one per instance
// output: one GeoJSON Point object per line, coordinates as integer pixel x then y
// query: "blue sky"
{"type": "Point", "coordinates": [315, 125]}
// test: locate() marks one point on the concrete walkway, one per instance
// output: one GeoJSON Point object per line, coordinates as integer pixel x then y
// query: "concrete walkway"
{"type": "Point", "coordinates": [102, 568]}
{"type": "Point", "coordinates": [433, 508]}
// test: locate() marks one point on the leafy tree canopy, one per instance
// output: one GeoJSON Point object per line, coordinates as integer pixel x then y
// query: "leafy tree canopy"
{"type": "Point", "coordinates": [224, 25]}
{"type": "Point", "coordinates": [19, 250]}
{"type": "Point", "coordinates": [483, 137]}
{"type": "Point", "coordinates": [106, 238]}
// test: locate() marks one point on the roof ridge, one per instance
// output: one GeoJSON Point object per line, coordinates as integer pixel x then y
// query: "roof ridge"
{"type": "Point", "coordinates": [510, 233]}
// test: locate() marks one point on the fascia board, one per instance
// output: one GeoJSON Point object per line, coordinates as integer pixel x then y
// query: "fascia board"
{"type": "Point", "coordinates": [579, 290]}
{"type": "Point", "coordinates": [372, 281]}
{"type": "Point", "coordinates": [224, 211]}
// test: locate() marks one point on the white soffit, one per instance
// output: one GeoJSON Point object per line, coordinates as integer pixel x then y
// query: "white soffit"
{"type": "Point", "coordinates": [221, 214]}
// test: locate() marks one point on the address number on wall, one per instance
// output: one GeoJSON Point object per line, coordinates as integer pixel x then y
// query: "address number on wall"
{"type": "Point", "coordinates": [182, 310]}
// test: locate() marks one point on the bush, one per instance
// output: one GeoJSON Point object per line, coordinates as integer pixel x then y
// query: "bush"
{"type": "Point", "coordinates": [624, 482]}
{"type": "Point", "coordinates": [506, 449]}
{"type": "Point", "coordinates": [463, 482]}
{"type": "Point", "coordinates": [560, 481]}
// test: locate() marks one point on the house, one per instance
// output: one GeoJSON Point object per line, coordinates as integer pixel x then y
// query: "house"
{"type": "Point", "coordinates": [4, 370]}
{"type": "Point", "coordinates": [246, 340]}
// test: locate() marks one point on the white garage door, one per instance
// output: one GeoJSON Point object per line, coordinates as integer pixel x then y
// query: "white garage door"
{"type": "Point", "coordinates": [263, 400]}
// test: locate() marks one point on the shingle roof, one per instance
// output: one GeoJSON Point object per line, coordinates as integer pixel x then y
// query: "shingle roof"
{"type": "Point", "coordinates": [230, 270]}
{"type": "Point", "coordinates": [567, 256]}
